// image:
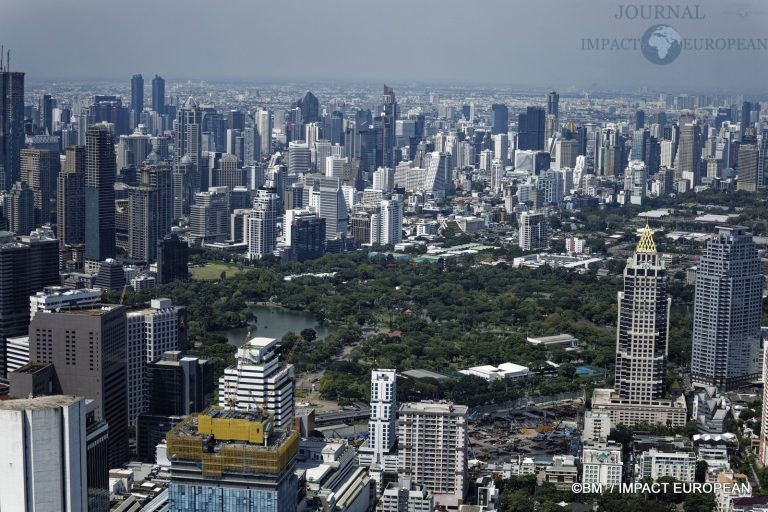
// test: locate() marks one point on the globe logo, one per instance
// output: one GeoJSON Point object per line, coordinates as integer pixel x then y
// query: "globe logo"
{"type": "Point", "coordinates": [661, 44]}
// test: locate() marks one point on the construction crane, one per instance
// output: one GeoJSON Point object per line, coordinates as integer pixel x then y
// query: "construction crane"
{"type": "Point", "coordinates": [122, 295]}
{"type": "Point", "coordinates": [231, 399]}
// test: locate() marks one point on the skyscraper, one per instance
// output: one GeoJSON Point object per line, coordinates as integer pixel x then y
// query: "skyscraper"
{"type": "Point", "coordinates": [189, 142]}
{"type": "Point", "coordinates": [27, 265]}
{"type": "Point", "coordinates": [553, 104]}
{"type": "Point", "coordinates": [142, 221]}
{"type": "Point", "coordinates": [262, 224]}
{"type": "Point", "coordinates": [44, 454]}
{"type": "Point", "coordinates": [727, 312]}
{"type": "Point", "coordinates": [19, 208]}
{"type": "Point", "coordinates": [40, 168]}
{"type": "Point", "coordinates": [46, 113]}
{"type": "Point", "coordinates": [172, 259]}
{"type": "Point", "coordinates": [382, 427]}
{"type": "Point", "coordinates": [689, 153]}
{"type": "Point", "coordinates": [642, 338]}
{"type": "Point", "coordinates": [530, 129]}
{"type": "Point", "coordinates": [387, 223]}
{"type": "Point", "coordinates": [748, 168]}
{"type": "Point", "coordinates": [305, 232]}
{"type": "Point", "coordinates": [310, 108]}
{"type": "Point", "coordinates": [158, 94]}
{"type": "Point", "coordinates": [100, 175]}
{"type": "Point", "coordinates": [643, 326]}
{"type": "Point", "coordinates": [254, 463]}
{"type": "Point", "coordinates": [499, 118]}
{"type": "Point", "coordinates": [388, 118]}
{"type": "Point", "coordinates": [264, 125]}
{"type": "Point", "coordinates": [11, 126]}
{"type": "Point", "coordinates": [534, 231]}
{"type": "Point", "coordinates": [150, 332]}
{"type": "Point", "coordinates": [432, 448]}
{"type": "Point", "coordinates": [137, 95]}
{"type": "Point", "coordinates": [70, 209]}
{"type": "Point", "coordinates": [87, 348]}
{"type": "Point", "coordinates": [258, 380]}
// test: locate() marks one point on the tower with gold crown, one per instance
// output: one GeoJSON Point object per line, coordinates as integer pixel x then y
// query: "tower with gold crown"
{"type": "Point", "coordinates": [642, 338]}
{"type": "Point", "coordinates": [642, 333]}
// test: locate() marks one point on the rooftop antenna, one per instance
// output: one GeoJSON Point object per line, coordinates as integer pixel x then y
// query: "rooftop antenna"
{"type": "Point", "coordinates": [1, 57]}
{"type": "Point", "coordinates": [8, 60]}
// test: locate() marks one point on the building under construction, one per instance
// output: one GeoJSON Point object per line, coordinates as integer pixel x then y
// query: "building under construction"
{"type": "Point", "coordinates": [225, 459]}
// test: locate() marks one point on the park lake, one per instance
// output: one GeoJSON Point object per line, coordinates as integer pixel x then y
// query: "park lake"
{"type": "Point", "coordinates": [275, 322]}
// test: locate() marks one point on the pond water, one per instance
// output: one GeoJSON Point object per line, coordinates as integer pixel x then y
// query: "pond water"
{"type": "Point", "coordinates": [275, 322]}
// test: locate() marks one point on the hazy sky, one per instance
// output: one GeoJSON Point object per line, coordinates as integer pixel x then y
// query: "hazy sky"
{"type": "Point", "coordinates": [510, 42]}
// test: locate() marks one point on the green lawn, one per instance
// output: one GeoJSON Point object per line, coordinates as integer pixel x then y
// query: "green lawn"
{"type": "Point", "coordinates": [212, 271]}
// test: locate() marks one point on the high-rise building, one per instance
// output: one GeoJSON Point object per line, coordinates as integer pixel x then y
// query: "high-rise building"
{"type": "Point", "coordinates": [499, 118]}
{"type": "Point", "coordinates": [142, 222]}
{"type": "Point", "coordinates": [19, 208]}
{"type": "Point", "coordinates": [172, 259]}
{"type": "Point", "coordinates": [642, 337]}
{"type": "Point", "coordinates": [534, 231]}
{"type": "Point", "coordinates": [382, 427]}
{"type": "Point", "coordinates": [40, 168]}
{"type": "Point", "coordinates": [158, 94]}
{"type": "Point", "coordinates": [87, 348]}
{"type": "Point", "coordinates": [175, 386]}
{"type": "Point", "coordinates": [11, 126]}
{"type": "Point", "coordinates": [209, 216]}
{"type": "Point", "coordinates": [689, 153]}
{"type": "Point", "coordinates": [305, 233]}
{"type": "Point", "coordinates": [189, 142]}
{"type": "Point", "coordinates": [27, 265]}
{"type": "Point", "coordinates": [643, 326]}
{"type": "Point", "coordinates": [432, 449]}
{"type": "Point", "coordinates": [70, 209]}
{"type": "Point", "coordinates": [46, 113]}
{"type": "Point", "coordinates": [150, 333]}
{"type": "Point", "coordinates": [566, 152]}
{"type": "Point", "coordinates": [258, 380]}
{"type": "Point", "coordinates": [327, 198]}
{"type": "Point", "coordinates": [310, 108]}
{"type": "Point", "coordinates": [110, 109]}
{"type": "Point", "coordinates": [727, 312]}
{"type": "Point", "coordinates": [137, 97]}
{"type": "Point", "coordinates": [100, 175]}
{"type": "Point", "coordinates": [553, 104]}
{"type": "Point", "coordinates": [264, 125]}
{"type": "Point", "coordinates": [530, 129]}
{"type": "Point", "coordinates": [44, 454]}
{"type": "Point", "coordinates": [232, 460]}
{"type": "Point", "coordinates": [387, 223]}
{"type": "Point", "coordinates": [262, 224]}
{"type": "Point", "coordinates": [748, 168]}
{"type": "Point", "coordinates": [639, 119]}
{"type": "Point", "coordinates": [388, 118]}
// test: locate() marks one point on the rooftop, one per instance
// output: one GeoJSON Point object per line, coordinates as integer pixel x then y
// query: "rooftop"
{"type": "Point", "coordinates": [430, 407]}
{"type": "Point", "coordinates": [42, 402]}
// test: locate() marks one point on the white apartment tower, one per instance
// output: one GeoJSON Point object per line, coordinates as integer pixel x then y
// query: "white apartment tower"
{"type": "Point", "coordinates": [258, 380]}
{"type": "Point", "coordinates": [432, 449]}
{"type": "Point", "coordinates": [382, 427]}
{"type": "Point", "coordinates": [387, 223]}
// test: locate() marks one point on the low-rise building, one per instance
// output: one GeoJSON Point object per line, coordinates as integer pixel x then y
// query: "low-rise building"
{"type": "Point", "coordinates": [655, 464]}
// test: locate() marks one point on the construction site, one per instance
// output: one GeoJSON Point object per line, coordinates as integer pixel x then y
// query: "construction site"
{"type": "Point", "coordinates": [528, 431]}
{"type": "Point", "coordinates": [227, 440]}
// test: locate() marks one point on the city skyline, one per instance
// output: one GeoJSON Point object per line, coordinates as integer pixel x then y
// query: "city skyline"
{"type": "Point", "coordinates": [505, 57]}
